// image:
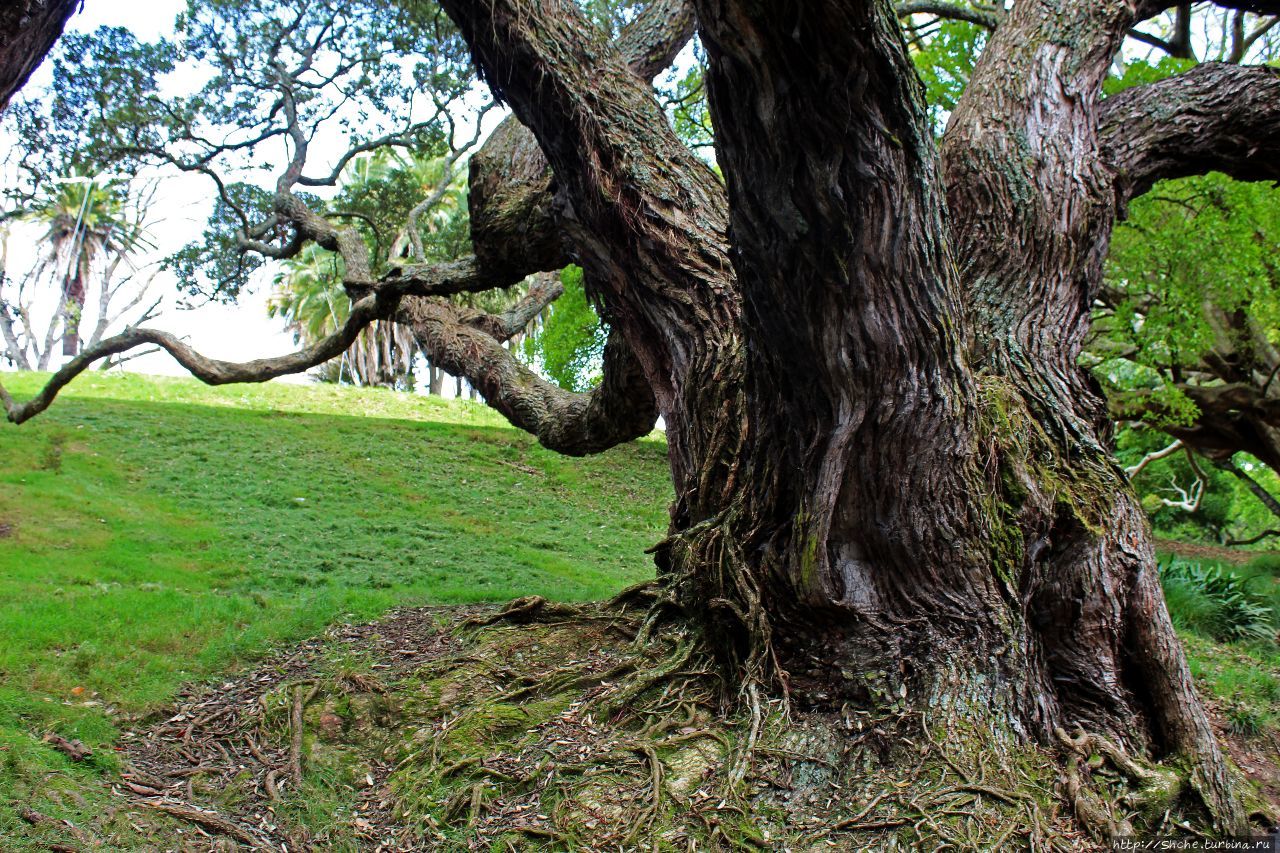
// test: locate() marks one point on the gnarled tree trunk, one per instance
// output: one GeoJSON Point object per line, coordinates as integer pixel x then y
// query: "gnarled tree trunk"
{"type": "Point", "coordinates": [931, 512]}
{"type": "Point", "coordinates": [893, 482]}
{"type": "Point", "coordinates": [28, 28]}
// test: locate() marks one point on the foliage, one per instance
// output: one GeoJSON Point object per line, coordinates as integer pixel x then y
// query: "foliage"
{"type": "Point", "coordinates": [945, 61]}
{"type": "Point", "coordinates": [1187, 243]}
{"type": "Point", "coordinates": [90, 225]}
{"type": "Point", "coordinates": [347, 74]}
{"type": "Point", "coordinates": [685, 97]}
{"type": "Point", "coordinates": [1215, 602]}
{"type": "Point", "coordinates": [1139, 72]}
{"type": "Point", "coordinates": [213, 266]}
{"type": "Point", "coordinates": [194, 528]}
{"type": "Point", "coordinates": [569, 342]}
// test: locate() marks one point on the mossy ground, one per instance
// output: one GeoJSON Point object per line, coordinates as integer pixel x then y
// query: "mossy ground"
{"type": "Point", "coordinates": [150, 537]}
{"type": "Point", "coordinates": [446, 730]}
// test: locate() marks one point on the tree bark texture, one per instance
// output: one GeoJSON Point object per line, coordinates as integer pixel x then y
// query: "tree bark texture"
{"type": "Point", "coordinates": [28, 28]}
{"type": "Point", "coordinates": [893, 482]}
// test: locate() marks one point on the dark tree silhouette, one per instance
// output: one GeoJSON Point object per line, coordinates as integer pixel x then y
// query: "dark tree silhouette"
{"type": "Point", "coordinates": [28, 28]}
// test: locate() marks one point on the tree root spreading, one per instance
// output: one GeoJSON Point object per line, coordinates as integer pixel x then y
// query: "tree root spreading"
{"type": "Point", "coordinates": [550, 727]}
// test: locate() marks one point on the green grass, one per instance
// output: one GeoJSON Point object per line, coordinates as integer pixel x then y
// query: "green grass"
{"type": "Point", "coordinates": [156, 531]}
{"type": "Point", "coordinates": [1243, 676]}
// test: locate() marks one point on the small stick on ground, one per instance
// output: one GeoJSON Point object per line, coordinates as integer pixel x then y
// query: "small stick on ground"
{"type": "Point", "coordinates": [207, 819]}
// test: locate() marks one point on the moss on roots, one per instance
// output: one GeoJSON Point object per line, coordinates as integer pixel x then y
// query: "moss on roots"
{"type": "Point", "coordinates": [550, 727]}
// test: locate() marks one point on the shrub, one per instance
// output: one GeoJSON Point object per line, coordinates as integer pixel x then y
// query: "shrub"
{"type": "Point", "coordinates": [1215, 603]}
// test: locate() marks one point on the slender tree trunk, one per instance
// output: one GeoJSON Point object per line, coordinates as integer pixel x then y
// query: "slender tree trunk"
{"type": "Point", "coordinates": [73, 295]}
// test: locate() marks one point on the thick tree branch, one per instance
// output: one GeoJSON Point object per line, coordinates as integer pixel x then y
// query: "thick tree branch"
{"type": "Point", "coordinates": [651, 41]}
{"type": "Point", "coordinates": [988, 18]}
{"type": "Point", "coordinates": [1150, 8]}
{"type": "Point", "coordinates": [619, 410]}
{"type": "Point", "coordinates": [28, 29]}
{"type": "Point", "coordinates": [646, 217]}
{"type": "Point", "coordinates": [1215, 117]}
{"type": "Point", "coordinates": [546, 288]}
{"type": "Point", "coordinates": [514, 225]}
{"type": "Point", "coordinates": [1231, 417]}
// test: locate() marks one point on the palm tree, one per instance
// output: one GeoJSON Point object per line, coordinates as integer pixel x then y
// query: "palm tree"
{"type": "Point", "coordinates": [85, 221]}
{"type": "Point", "coordinates": [310, 298]}
{"type": "Point", "coordinates": [422, 201]}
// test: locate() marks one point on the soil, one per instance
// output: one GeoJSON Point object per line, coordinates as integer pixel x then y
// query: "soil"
{"type": "Point", "coordinates": [1200, 551]}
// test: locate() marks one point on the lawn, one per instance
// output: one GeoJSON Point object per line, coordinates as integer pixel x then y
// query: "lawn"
{"type": "Point", "coordinates": [156, 531]}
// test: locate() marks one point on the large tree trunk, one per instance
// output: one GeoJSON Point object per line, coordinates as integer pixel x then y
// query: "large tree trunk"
{"type": "Point", "coordinates": [931, 515]}
{"type": "Point", "coordinates": [28, 28]}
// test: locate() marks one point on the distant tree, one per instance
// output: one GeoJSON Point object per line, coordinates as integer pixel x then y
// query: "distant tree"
{"type": "Point", "coordinates": [416, 205]}
{"type": "Point", "coordinates": [92, 229]}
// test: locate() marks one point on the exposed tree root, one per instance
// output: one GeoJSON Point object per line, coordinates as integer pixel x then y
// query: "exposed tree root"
{"type": "Point", "coordinates": [526, 729]}
{"type": "Point", "coordinates": [204, 818]}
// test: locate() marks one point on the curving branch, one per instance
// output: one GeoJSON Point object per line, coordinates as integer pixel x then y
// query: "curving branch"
{"type": "Point", "coordinates": [645, 217]}
{"type": "Point", "coordinates": [514, 224]}
{"type": "Point", "coordinates": [1150, 8]}
{"type": "Point", "coordinates": [1215, 117]}
{"type": "Point", "coordinates": [651, 41]}
{"type": "Point", "coordinates": [1267, 499]}
{"type": "Point", "coordinates": [1231, 417]}
{"type": "Point", "coordinates": [211, 371]}
{"type": "Point", "coordinates": [988, 17]}
{"type": "Point", "coordinates": [620, 409]}
{"type": "Point", "coordinates": [1153, 456]}
{"type": "Point", "coordinates": [546, 288]}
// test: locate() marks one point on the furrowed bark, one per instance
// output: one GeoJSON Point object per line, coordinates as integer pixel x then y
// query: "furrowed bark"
{"type": "Point", "coordinates": [865, 483]}
{"type": "Point", "coordinates": [1033, 204]}
{"type": "Point", "coordinates": [1215, 117]}
{"type": "Point", "coordinates": [620, 409]}
{"type": "Point", "coordinates": [513, 218]}
{"type": "Point", "coordinates": [644, 216]}
{"type": "Point", "coordinates": [28, 29]}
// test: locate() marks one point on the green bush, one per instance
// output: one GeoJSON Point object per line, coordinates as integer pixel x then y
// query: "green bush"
{"type": "Point", "coordinates": [1215, 603]}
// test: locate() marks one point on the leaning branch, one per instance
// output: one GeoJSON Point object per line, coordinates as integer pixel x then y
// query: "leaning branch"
{"type": "Point", "coordinates": [620, 409]}
{"type": "Point", "coordinates": [1251, 484]}
{"type": "Point", "coordinates": [1153, 456]}
{"type": "Point", "coordinates": [29, 30]}
{"type": "Point", "coordinates": [208, 370]}
{"type": "Point", "coordinates": [987, 18]}
{"type": "Point", "coordinates": [1215, 117]}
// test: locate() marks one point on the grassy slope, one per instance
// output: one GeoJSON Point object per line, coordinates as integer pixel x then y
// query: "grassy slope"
{"type": "Point", "coordinates": [156, 531]}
